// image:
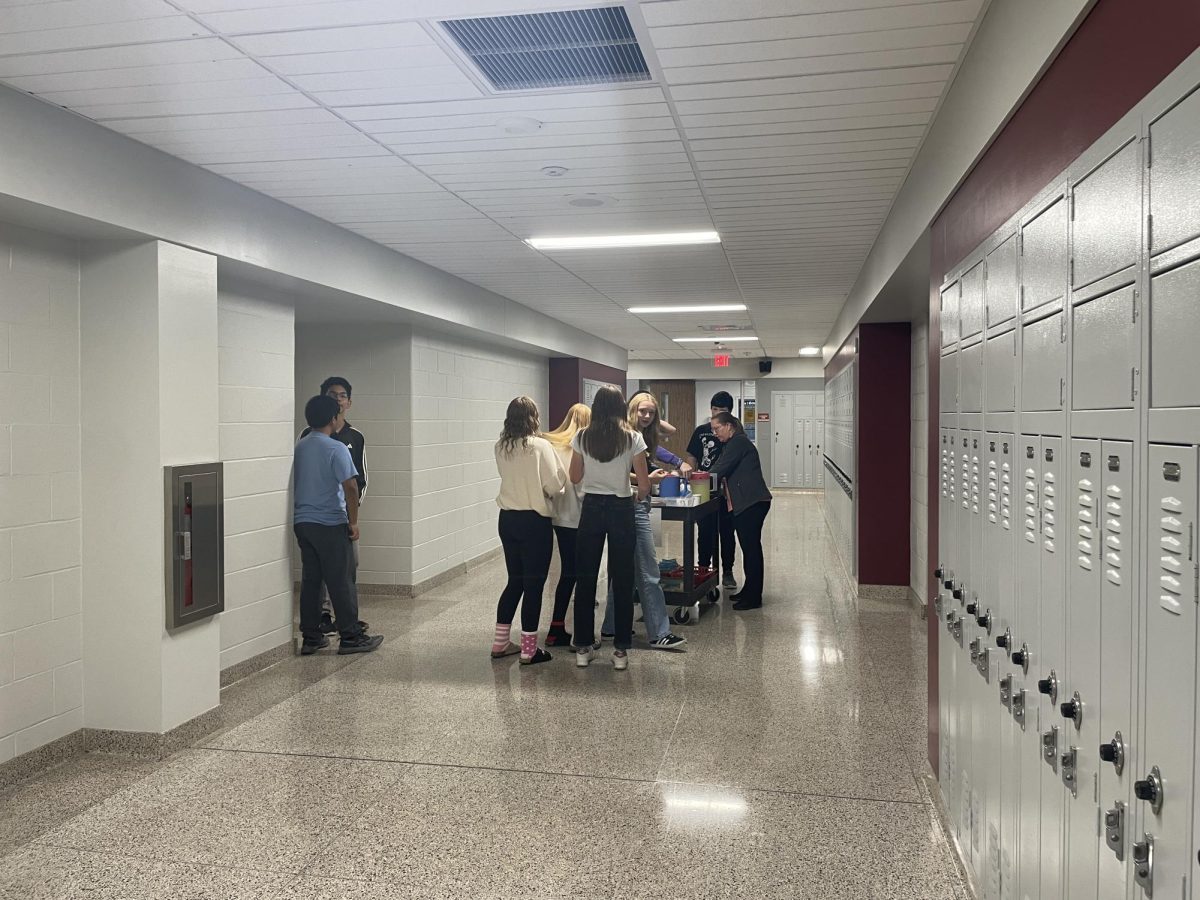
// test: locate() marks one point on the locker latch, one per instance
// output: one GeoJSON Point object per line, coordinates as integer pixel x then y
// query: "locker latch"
{"type": "Point", "coordinates": [1150, 789]}
{"type": "Point", "coordinates": [1006, 691]}
{"type": "Point", "coordinates": [1069, 762]}
{"type": "Point", "coordinates": [1114, 752]}
{"type": "Point", "coordinates": [1073, 710]}
{"type": "Point", "coordinates": [1050, 747]}
{"type": "Point", "coordinates": [1021, 658]}
{"type": "Point", "coordinates": [1143, 864]}
{"type": "Point", "coordinates": [1114, 829]}
{"type": "Point", "coordinates": [985, 621]}
{"type": "Point", "coordinates": [1005, 641]}
{"type": "Point", "coordinates": [974, 648]}
{"type": "Point", "coordinates": [1018, 708]}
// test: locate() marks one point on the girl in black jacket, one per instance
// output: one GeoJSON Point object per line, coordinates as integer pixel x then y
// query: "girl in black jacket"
{"type": "Point", "coordinates": [749, 500]}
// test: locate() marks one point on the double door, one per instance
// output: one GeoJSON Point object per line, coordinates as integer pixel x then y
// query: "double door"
{"type": "Point", "coordinates": [798, 420]}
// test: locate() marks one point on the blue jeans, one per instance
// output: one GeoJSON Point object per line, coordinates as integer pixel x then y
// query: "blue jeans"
{"type": "Point", "coordinates": [645, 579]}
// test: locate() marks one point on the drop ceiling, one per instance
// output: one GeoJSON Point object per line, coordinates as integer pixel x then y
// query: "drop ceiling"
{"type": "Point", "coordinates": [786, 125]}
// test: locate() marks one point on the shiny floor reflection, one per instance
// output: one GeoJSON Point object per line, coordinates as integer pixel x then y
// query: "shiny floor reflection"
{"type": "Point", "coordinates": [780, 757]}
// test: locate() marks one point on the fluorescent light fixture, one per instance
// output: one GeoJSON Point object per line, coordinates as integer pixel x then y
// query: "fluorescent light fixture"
{"type": "Point", "coordinates": [716, 307]}
{"type": "Point", "coordinates": [715, 339]}
{"type": "Point", "coordinates": [810, 351]}
{"type": "Point", "coordinates": [602, 241]}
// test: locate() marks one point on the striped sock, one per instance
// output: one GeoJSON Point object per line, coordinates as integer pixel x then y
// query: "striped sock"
{"type": "Point", "coordinates": [528, 644]}
{"type": "Point", "coordinates": [500, 641]}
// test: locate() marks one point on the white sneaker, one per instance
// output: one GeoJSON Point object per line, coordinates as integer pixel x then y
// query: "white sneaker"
{"type": "Point", "coordinates": [620, 660]}
{"type": "Point", "coordinates": [583, 657]}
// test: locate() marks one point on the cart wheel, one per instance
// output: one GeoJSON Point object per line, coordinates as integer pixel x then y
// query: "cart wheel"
{"type": "Point", "coordinates": [682, 615]}
{"type": "Point", "coordinates": [714, 596]}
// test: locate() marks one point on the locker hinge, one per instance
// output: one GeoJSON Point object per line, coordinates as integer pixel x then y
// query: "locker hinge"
{"type": "Point", "coordinates": [1136, 297]}
{"type": "Point", "coordinates": [1071, 205]}
{"type": "Point", "coordinates": [1062, 391]}
{"type": "Point", "coordinates": [1196, 583]}
{"type": "Point", "coordinates": [1072, 260]}
{"type": "Point", "coordinates": [1150, 230]}
{"type": "Point", "coordinates": [1149, 155]}
{"type": "Point", "coordinates": [1133, 374]}
{"type": "Point", "coordinates": [1062, 330]}
{"type": "Point", "coordinates": [1021, 295]}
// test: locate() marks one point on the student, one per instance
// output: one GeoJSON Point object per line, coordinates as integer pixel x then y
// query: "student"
{"type": "Point", "coordinates": [747, 498]}
{"type": "Point", "coordinates": [531, 476]}
{"type": "Point", "coordinates": [703, 451]}
{"type": "Point", "coordinates": [644, 419]}
{"type": "Point", "coordinates": [325, 521]}
{"type": "Point", "coordinates": [602, 456]}
{"type": "Point", "coordinates": [339, 389]}
{"type": "Point", "coordinates": [567, 506]}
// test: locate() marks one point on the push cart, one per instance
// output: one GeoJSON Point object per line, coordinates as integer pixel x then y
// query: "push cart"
{"type": "Point", "coordinates": [689, 602]}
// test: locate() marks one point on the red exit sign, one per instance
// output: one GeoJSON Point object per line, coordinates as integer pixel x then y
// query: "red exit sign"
{"type": "Point", "coordinates": [721, 360]}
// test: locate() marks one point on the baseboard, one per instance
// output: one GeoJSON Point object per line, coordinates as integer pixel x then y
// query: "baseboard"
{"type": "Point", "coordinates": [254, 664]}
{"type": "Point", "coordinates": [366, 589]}
{"type": "Point", "coordinates": [27, 765]}
{"type": "Point", "coordinates": [893, 593]}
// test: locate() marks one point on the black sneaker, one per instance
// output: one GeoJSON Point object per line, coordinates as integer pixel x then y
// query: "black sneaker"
{"type": "Point", "coordinates": [309, 647]}
{"type": "Point", "coordinates": [539, 656]}
{"type": "Point", "coordinates": [669, 642]}
{"type": "Point", "coordinates": [327, 626]}
{"type": "Point", "coordinates": [361, 643]}
{"type": "Point", "coordinates": [743, 605]}
{"type": "Point", "coordinates": [727, 580]}
{"type": "Point", "coordinates": [558, 636]}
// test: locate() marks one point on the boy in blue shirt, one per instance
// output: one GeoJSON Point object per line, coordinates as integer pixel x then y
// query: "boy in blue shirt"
{"type": "Point", "coordinates": [325, 521]}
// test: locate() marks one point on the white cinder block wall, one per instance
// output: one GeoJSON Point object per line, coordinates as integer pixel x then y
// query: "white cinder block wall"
{"type": "Point", "coordinates": [376, 362]}
{"type": "Point", "coordinates": [256, 341]}
{"type": "Point", "coordinates": [460, 393]}
{"type": "Point", "coordinates": [41, 669]}
{"type": "Point", "coordinates": [918, 564]}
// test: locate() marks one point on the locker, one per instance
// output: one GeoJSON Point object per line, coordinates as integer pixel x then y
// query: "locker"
{"type": "Point", "coordinates": [817, 464]}
{"type": "Point", "coordinates": [1161, 856]}
{"type": "Point", "coordinates": [948, 379]}
{"type": "Point", "coordinates": [1118, 624]}
{"type": "Point", "coordinates": [964, 684]}
{"type": "Point", "coordinates": [984, 721]}
{"type": "Point", "coordinates": [1043, 364]}
{"type": "Point", "coordinates": [1107, 218]}
{"type": "Point", "coordinates": [1174, 326]}
{"type": "Point", "coordinates": [1029, 668]}
{"type": "Point", "coordinates": [949, 315]}
{"type": "Point", "coordinates": [971, 302]}
{"type": "Point", "coordinates": [1001, 283]}
{"type": "Point", "coordinates": [947, 655]}
{"type": "Point", "coordinates": [1000, 362]}
{"type": "Point", "coordinates": [1083, 534]}
{"type": "Point", "coordinates": [1044, 257]}
{"type": "Point", "coordinates": [1051, 578]}
{"type": "Point", "coordinates": [781, 410]}
{"type": "Point", "coordinates": [970, 375]}
{"type": "Point", "coordinates": [1104, 361]}
{"type": "Point", "coordinates": [1174, 190]}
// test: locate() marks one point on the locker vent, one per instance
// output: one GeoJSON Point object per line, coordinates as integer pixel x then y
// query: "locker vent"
{"type": "Point", "coordinates": [569, 48]}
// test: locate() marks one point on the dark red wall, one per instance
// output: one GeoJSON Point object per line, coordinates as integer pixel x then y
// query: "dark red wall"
{"type": "Point", "coordinates": [566, 384]}
{"type": "Point", "coordinates": [882, 478]}
{"type": "Point", "coordinates": [1122, 50]}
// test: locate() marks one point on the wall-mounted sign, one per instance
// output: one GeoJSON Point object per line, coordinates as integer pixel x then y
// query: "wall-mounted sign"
{"type": "Point", "coordinates": [764, 417]}
{"type": "Point", "coordinates": [721, 360]}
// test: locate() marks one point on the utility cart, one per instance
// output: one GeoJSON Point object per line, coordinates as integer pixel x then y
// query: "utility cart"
{"type": "Point", "coordinates": [690, 601]}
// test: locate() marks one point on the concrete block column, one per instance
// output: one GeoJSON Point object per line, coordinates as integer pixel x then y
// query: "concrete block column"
{"type": "Point", "coordinates": [148, 328]}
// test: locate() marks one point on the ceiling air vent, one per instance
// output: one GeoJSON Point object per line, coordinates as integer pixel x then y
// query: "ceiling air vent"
{"type": "Point", "coordinates": [570, 48]}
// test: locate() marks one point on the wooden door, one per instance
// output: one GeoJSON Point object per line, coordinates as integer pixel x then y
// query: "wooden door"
{"type": "Point", "coordinates": [676, 404]}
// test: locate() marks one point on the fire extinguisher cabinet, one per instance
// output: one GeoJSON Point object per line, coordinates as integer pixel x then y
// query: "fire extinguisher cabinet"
{"type": "Point", "coordinates": [195, 535]}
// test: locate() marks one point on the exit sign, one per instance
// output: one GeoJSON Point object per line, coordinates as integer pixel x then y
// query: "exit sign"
{"type": "Point", "coordinates": [721, 360]}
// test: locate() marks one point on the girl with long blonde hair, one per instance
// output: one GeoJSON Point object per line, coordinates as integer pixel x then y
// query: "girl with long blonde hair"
{"type": "Point", "coordinates": [531, 477]}
{"type": "Point", "coordinates": [567, 507]}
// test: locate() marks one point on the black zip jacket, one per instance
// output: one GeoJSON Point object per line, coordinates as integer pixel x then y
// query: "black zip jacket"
{"type": "Point", "coordinates": [741, 470]}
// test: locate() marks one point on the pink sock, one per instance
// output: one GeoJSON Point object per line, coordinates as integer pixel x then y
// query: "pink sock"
{"type": "Point", "coordinates": [528, 644]}
{"type": "Point", "coordinates": [500, 641]}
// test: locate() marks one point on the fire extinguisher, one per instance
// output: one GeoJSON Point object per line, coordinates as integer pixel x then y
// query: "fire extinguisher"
{"type": "Point", "coordinates": [187, 551]}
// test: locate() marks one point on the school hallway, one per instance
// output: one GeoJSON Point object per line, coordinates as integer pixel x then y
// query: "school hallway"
{"type": "Point", "coordinates": [782, 756]}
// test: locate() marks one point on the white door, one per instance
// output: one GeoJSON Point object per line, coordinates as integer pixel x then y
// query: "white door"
{"type": "Point", "coordinates": [781, 452]}
{"type": "Point", "coordinates": [799, 437]}
{"type": "Point", "coordinates": [818, 454]}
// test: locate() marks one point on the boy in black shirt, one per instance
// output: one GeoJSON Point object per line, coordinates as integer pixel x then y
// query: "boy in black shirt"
{"type": "Point", "coordinates": [702, 451]}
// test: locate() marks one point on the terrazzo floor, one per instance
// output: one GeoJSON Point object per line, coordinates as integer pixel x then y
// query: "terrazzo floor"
{"type": "Point", "coordinates": [782, 756]}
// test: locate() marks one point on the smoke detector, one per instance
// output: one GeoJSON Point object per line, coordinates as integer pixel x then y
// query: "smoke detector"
{"type": "Point", "coordinates": [590, 201]}
{"type": "Point", "coordinates": [554, 171]}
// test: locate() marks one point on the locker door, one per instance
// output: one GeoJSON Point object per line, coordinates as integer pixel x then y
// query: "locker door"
{"type": "Point", "coordinates": [947, 646]}
{"type": "Point", "coordinates": [1001, 582]}
{"type": "Point", "coordinates": [1044, 257]}
{"type": "Point", "coordinates": [1082, 515]}
{"type": "Point", "coordinates": [781, 452]}
{"type": "Point", "coordinates": [1174, 190]}
{"type": "Point", "coordinates": [1164, 767]}
{"type": "Point", "coordinates": [984, 731]}
{"type": "Point", "coordinates": [799, 442]}
{"type": "Point", "coordinates": [817, 466]}
{"type": "Point", "coordinates": [1051, 587]}
{"type": "Point", "coordinates": [966, 577]}
{"type": "Point", "coordinates": [1026, 675]}
{"type": "Point", "coordinates": [1118, 622]}
{"type": "Point", "coordinates": [1107, 217]}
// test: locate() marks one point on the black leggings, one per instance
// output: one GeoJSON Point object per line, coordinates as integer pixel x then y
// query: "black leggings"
{"type": "Point", "coordinates": [528, 541]}
{"type": "Point", "coordinates": [749, 525]}
{"type": "Point", "coordinates": [566, 579]}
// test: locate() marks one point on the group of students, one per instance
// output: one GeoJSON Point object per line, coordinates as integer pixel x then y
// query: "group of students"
{"type": "Point", "coordinates": [588, 483]}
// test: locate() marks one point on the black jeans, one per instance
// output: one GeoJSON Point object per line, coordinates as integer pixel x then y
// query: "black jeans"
{"type": "Point", "coordinates": [610, 518]}
{"type": "Point", "coordinates": [749, 525]}
{"type": "Point", "coordinates": [708, 527]}
{"type": "Point", "coordinates": [326, 557]}
{"type": "Point", "coordinates": [566, 578]}
{"type": "Point", "coordinates": [528, 540]}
